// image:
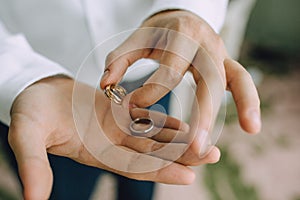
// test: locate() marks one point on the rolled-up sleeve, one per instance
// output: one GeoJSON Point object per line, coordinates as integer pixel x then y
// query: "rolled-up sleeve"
{"type": "Point", "coordinates": [20, 67]}
{"type": "Point", "coordinates": [212, 11]}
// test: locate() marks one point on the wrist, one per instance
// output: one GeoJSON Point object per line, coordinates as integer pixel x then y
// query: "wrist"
{"type": "Point", "coordinates": [166, 12]}
{"type": "Point", "coordinates": [55, 78]}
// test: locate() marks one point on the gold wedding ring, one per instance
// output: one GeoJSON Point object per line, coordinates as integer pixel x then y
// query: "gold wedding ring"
{"type": "Point", "coordinates": [115, 93]}
{"type": "Point", "coordinates": [139, 126]}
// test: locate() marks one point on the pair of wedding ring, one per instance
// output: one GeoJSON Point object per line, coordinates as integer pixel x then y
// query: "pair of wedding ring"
{"type": "Point", "coordinates": [139, 126]}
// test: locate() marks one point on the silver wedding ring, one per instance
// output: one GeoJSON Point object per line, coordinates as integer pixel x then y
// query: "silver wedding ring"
{"type": "Point", "coordinates": [141, 126]}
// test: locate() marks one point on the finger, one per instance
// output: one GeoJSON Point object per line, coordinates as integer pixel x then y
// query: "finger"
{"type": "Point", "coordinates": [169, 135]}
{"type": "Point", "coordinates": [160, 119]}
{"type": "Point", "coordinates": [139, 166]}
{"type": "Point", "coordinates": [165, 151]}
{"type": "Point", "coordinates": [191, 159]}
{"type": "Point", "coordinates": [209, 94]}
{"type": "Point", "coordinates": [179, 152]}
{"type": "Point", "coordinates": [173, 173]}
{"type": "Point", "coordinates": [117, 61]}
{"type": "Point", "coordinates": [174, 62]}
{"type": "Point", "coordinates": [164, 79]}
{"type": "Point", "coordinates": [30, 151]}
{"type": "Point", "coordinates": [245, 96]}
{"type": "Point", "coordinates": [166, 128]}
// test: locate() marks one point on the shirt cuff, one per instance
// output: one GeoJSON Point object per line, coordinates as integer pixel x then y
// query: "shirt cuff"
{"type": "Point", "coordinates": [212, 11]}
{"type": "Point", "coordinates": [20, 67]}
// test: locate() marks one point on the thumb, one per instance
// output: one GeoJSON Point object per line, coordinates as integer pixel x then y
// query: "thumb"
{"type": "Point", "coordinates": [29, 148]}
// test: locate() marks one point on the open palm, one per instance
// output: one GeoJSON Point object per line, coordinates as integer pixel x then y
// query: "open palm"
{"type": "Point", "coordinates": [44, 121]}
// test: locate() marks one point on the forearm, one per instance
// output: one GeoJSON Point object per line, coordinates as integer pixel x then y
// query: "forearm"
{"type": "Point", "coordinates": [20, 67]}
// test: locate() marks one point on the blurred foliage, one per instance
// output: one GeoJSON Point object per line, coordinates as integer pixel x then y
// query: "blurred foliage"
{"type": "Point", "coordinates": [274, 24]}
{"type": "Point", "coordinates": [224, 181]}
{"type": "Point", "coordinates": [272, 44]}
{"type": "Point", "coordinates": [270, 61]}
{"type": "Point", "coordinates": [272, 40]}
{"type": "Point", "coordinates": [5, 195]}
{"type": "Point", "coordinates": [282, 141]}
{"type": "Point", "coordinates": [297, 198]}
{"type": "Point", "coordinates": [258, 148]}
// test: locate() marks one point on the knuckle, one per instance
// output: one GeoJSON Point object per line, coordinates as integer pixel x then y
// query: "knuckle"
{"type": "Point", "coordinates": [174, 76]}
{"type": "Point", "coordinates": [11, 139]}
{"type": "Point", "coordinates": [81, 153]}
{"type": "Point", "coordinates": [243, 73]}
{"type": "Point", "coordinates": [184, 22]}
{"type": "Point", "coordinates": [155, 146]}
{"type": "Point", "coordinates": [141, 97]}
{"type": "Point", "coordinates": [140, 101]}
{"type": "Point", "coordinates": [149, 145]}
{"type": "Point", "coordinates": [219, 41]}
{"type": "Point", "coordinates": [113, 55]}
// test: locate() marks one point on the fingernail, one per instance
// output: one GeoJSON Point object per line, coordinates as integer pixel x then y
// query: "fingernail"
{"type": "Point", "coordinates": [254, 115]}
{"type": "Point", "coordinates": [105, 74]}
{"type": "Point", "coordinates": [204, 142]}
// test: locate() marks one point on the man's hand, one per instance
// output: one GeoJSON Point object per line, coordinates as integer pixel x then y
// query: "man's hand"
{"type": "Point", "coordinates": [182, 41]}
{"type": "Point", "coordinates": [43, 122]}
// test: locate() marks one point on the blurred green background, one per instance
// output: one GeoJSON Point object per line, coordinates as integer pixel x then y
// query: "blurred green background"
{"type": "Point", "coordinates": [275, 25]}
{"type": "Point", "coordinates": [272, 45]}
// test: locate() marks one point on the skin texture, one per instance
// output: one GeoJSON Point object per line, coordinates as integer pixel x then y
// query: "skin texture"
{"type": "Point", "coordinates": [42, 115]}
{"type": "Point", "coordinates": [204, 55]}
{"type": "Point", "coordinates": [42, 121]}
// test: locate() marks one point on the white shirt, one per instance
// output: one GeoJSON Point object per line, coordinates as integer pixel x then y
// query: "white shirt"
{"type": "Point", "coordinates": [42, 38]}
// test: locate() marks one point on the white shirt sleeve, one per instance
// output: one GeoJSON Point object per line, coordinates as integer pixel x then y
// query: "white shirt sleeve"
{"type": "Point", "coordinates": [212, 11]}
{"type": "Point", "coordinates": [20, 67]}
